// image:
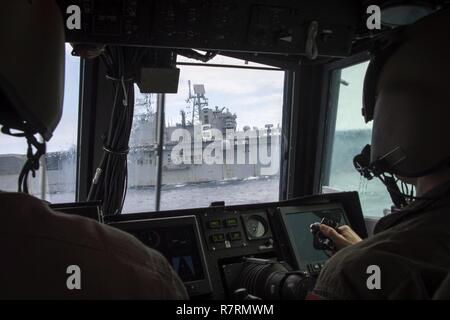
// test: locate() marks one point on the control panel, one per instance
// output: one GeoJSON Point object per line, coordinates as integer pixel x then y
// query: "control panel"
{"type": "Point", "coordinates": [234, 229]}
{"type": "Point", "coordinates": [268, 26]}
{"type": "Point", "coordinates": [310, 255]}
{"type": "Point", "coordinates": [178, 239]}
{"type": "Point", "coordinates": [244, 251]}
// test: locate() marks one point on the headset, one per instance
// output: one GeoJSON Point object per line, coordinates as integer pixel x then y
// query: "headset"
{"type": "Point", "coordinates": [383, 49]}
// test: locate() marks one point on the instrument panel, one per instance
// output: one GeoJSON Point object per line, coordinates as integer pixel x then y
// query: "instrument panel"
{"type": "Point", "coordinates": [210, 247]}
{"type": "Point", "coordinates": [274, 27]}
{"type": "Point", "coordinates": [178, 239]}
{"type": "Point", "coordinates": [235, 229]}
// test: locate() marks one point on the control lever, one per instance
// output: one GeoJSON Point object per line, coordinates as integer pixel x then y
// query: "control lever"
{"type": "Point", "coordinates": [321, 242]}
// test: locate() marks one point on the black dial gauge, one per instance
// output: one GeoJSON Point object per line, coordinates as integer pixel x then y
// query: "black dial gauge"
{"type": "Point", "coordinates": [152, 239]}
{"type": "Point", "coordinates": [256, 227]}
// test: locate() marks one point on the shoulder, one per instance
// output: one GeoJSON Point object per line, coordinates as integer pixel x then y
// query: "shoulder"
{"type": "Point", "coordinates": [372, 270]}
{"type": "Point", "coordinates": [135, 267]}
{"type": "Point", "coordinates": [340, 273]}
{"type": "Point", "coordinates": [145, 268]}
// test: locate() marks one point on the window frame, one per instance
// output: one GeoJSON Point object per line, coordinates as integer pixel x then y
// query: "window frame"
{"type": "Point", "coordinates": [87, 121]}
{"type": "Point", "coordinates": [159, 169]}
{"type": "Point", "coordinates": [91, 126]}
{"type": "Point", "coordinates": [334, 71]}
{"type": "Point", "coordinates": [331, 117]}
{"type": "Point", "coordinates": [306, 120]}
{"type": "Point", "coordinates": [299, 103]}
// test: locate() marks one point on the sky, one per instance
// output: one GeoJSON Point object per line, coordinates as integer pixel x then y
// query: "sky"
{"type": "Point", "coordinates": [256, 96]}
{"type": "Point", "coordinates": [349, 116]}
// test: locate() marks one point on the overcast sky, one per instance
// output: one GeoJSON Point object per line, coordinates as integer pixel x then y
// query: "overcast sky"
{"type": "Point", "coordinates": [256, 96]}
{"type": "Point", "coordinates": [349, 114]}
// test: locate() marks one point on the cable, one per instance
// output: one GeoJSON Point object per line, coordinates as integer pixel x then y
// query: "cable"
{"type": "Point", "coordinates": [32, 162]}
{"type": "Point", "coordinates": [192, 54]}
{"type": "Point", "coordinates": [402, 196]}
{"type": "Point", "coordinates": [111, 176]}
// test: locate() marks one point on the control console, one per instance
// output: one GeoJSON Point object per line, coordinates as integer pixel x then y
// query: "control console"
{"type": "Point", "coordinates": [248, 251]}
{"type": "Point", "coordinates": [178, 239]}
{"type": "Point", "coordinates": [231, 229]}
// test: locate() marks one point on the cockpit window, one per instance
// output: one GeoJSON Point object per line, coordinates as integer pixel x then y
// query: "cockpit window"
{"type": "Point", "coordinates": [56, 179]}
{"type": "Point", "coordinates": [221, 138]}
{"type": "Point", "coordinates": [349, 135]}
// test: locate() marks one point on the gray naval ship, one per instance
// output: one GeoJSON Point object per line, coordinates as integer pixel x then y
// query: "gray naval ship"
{"type": "Point", "coordinates": [201, 134]}
{"type": "Point", "coordinates": [246, 154]}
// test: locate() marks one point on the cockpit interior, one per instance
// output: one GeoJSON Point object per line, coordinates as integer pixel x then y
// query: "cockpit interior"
{"type": "Point", "coordinates": [221, 133]}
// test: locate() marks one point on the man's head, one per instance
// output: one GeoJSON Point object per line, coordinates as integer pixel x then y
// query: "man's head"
{"type": "Point", "coordinates": [31, 66]}
{"type": "Point", "coordinates": [411, 101]}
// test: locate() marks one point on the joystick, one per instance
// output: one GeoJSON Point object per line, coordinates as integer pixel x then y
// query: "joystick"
{"type": "Point", "coordinates": [321, 242]}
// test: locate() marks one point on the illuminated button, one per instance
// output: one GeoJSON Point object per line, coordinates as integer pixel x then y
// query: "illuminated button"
{"type": "Point", "coordinates": [314, 268]}
{"type": "Point", "coordinates": [214, 224]}
{"type": "Point", "coordinates": [218, 237]}
{"type": "Point", "coordinates": [234, 236]}
{"type": "Point", "coordinates": [231, 222]}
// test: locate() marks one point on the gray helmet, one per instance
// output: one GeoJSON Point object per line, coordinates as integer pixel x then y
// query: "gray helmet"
{"type": "Point", "coordinates": [31, 66]}
{"type": "Point", "coordinates": [407, 94]}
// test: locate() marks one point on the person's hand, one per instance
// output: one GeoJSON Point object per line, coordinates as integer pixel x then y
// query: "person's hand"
{"type": "Point", "coordinates": [342, 238]}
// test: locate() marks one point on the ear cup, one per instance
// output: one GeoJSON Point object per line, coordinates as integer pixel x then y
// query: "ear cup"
{"type": "Point", "coordinates": [408, 99]}
{"type": "Point", "coordinates": [32, 65]}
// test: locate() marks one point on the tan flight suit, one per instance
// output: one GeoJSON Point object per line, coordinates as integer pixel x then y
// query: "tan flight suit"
{"type": "Point", "coordinates": [411, 249]}
{"type": "Point", "coordinates": [37, 246]}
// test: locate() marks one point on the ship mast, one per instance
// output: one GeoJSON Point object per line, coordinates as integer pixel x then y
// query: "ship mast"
{"type": "Point", "coordinates": [198, 100]}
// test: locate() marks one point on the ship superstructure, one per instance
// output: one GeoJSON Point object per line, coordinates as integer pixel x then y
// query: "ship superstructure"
{"type": "Point", "coordinates": [202, 124]}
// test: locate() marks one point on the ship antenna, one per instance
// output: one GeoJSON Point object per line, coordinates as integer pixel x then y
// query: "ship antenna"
{"type": "Point", "coordinates": [190, 93]}
{"type": "Point", "coordinates": [199, 101]}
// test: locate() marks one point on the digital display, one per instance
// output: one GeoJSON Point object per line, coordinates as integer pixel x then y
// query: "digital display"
{"type": "Point", "coordinates": [231, 222]}
{"type": "Point", "coordinates": [179, 246]}
{"type": "Point", "coordinates": [235, 236]}
{"type": "Point", "coordinates": [302, 240]}
{"type": "Point", "coordinates": [218, 237]}
{"type": "Point", "coordinates": [214, 224]}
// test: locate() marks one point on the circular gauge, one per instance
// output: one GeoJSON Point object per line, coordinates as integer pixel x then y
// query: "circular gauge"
{"type": "Point", "coordinates": [256, 227]}
{"type": "Point", "coordinates": [152, 239]}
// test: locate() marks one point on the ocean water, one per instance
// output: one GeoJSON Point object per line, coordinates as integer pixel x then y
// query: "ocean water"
{"type": "Point", "coordinates": [250, 190]}
{"type": "Point", "coordinates": [373, 195]}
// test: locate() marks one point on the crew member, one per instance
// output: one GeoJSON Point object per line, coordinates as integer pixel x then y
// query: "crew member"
{"type": "Point", "coordinates": [45, 254]}
{"type": "Point", "coordinates": [406, 94]}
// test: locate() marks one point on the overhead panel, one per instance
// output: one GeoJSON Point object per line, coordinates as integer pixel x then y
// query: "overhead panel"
{"type": "Point", "coordinates": [274, 27]}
